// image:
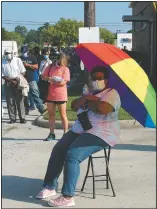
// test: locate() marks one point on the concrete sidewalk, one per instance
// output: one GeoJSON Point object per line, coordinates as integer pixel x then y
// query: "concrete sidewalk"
{"type": "Point", "coordinates": [132, 166]}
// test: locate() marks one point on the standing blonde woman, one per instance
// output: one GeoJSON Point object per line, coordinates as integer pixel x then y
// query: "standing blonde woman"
{"type": "Point", "coordinates": [58, 75]}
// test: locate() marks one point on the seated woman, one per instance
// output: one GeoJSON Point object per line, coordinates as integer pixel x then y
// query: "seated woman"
{"type": "Point", "coordinates": [95, 129]}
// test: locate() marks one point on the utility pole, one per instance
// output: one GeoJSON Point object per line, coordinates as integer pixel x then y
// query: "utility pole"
{"type": "Point", "coordinates": [89, 14]}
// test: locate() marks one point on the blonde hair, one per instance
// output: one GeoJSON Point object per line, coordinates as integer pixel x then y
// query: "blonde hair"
{"type": "Point", "coordinates": [63, 60]}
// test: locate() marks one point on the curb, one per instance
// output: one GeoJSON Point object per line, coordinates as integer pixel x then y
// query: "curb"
{"type": "Point", "coordinates": [124, 124]}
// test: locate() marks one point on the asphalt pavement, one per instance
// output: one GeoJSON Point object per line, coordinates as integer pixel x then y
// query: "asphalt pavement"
{"type": "Point", "coordinates": [25, 156]}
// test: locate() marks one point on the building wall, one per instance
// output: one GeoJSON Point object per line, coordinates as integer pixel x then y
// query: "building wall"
{"type": "Point", "coordinates": [142, 37]}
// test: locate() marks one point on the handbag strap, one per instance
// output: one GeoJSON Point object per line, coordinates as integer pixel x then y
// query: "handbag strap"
{"type": "Point", "coordinates": [49, 69]}
{"type": "Point", "coordinates": [44, 64]}
{"type": "Point", "coordinates": [107, 91]}
{"type": "Point", "coordinates": [102, 91]}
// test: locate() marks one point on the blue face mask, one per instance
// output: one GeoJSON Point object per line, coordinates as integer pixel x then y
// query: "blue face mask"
{"type": "Point", "coordinates": [46, 56]}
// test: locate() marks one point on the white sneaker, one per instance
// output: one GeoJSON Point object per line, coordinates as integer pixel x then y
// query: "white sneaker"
{"type": "Point", "coordinates": [45, 193]}
{"type": "Point", "coordinates": [61, 202]}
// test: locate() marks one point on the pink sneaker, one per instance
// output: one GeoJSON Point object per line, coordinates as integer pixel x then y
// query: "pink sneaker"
{"type": "Point", "coordinates": [61, 201]}
{"type": "Point", "coordinates": [45, 193]}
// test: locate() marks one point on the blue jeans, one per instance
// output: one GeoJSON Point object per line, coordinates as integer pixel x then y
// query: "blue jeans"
{"type": "Point", "coordinates": [69, 152]}
{"type": "Point", "coordinates": [31, 100]}
{"type": "Point", "coordinates": [34, 93]}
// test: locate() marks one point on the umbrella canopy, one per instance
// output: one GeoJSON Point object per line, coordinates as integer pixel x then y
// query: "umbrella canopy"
{"type": "Point", "coordinates": [138, 97]}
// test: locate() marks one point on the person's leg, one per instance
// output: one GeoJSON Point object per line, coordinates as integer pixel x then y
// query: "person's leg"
{"type": "Point", "coordinates": [51, 107]}
{"type": "Point", "coordinates": [57, 159]}
{"type": "Point", "coordinates": [10, 99]}
{"type": "Point", "coordinates": [63, 114]}
{"type": "Point", "coordinates": [84, 145]}
{"type": "Point", "coordinates": [56, 162]}
{"type": "Point", "coordinates": [26, 104]}
{"type": "Point", "coordinates": [35, 94]}
{"type": "Point", "coordinates": [19, 98]}
{"type": "Point", "coordinates": [31, 102]}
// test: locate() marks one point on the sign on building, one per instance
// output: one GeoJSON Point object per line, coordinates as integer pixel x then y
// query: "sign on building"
{"type": "Point", "coordinates": [124, 40]}
{"type": "Point", "coordinates": [89, 35]}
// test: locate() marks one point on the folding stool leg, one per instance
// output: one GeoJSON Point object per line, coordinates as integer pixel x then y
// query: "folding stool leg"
{"type": "Point", "coordinates": [107, 166]}
{"type": "Point", "coordinates": [88, 167]}
{"type": "Point", "coordinates": [92, 166]}
{"type": "Point", "coordinates": [107, 174]}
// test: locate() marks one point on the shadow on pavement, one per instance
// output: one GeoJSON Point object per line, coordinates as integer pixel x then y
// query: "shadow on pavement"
{"type": "Point", "coordinates": [24, 189]}
{"type": "Point", "coordinates": [30, 115]}
{"type": "Point", "coordinates": [99, 192]}
{"type": "Point", "coordinates": [6, 120]}
{"type": "Point", "coordinates": [21, 189]}
{"type": "Point", "coordinates": [135, 147]}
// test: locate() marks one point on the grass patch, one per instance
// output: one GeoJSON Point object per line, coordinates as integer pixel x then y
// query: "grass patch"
{"type": "Point", "coordinates": [74, 93]}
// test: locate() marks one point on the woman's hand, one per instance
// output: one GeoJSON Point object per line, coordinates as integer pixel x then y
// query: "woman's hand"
{"type": "Point", "coordinates": [77, 103]}
{"type": "Point", "coordinates": [50, 79]}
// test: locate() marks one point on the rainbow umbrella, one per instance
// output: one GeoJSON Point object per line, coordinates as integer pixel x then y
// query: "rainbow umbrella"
{"type": "Point", "coordinates": [138, 97]}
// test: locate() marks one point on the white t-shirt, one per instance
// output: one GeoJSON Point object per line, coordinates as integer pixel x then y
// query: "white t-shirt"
{"type": "Point", "coordinates": [12, 69]}
{"type": "Point", "coordinates": [43, 65]}
{"type": "Point", "coordinates": [106, 127]}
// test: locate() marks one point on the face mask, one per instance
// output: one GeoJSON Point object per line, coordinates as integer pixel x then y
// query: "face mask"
{"type": "Point", "coordinates": [25, 54]}
{"type": "Point", "coordinates": [98, 85]}
{"type": "Point", "coordinates": [9, 56]}
{"type": "Point", "coordinates": [46, 57]}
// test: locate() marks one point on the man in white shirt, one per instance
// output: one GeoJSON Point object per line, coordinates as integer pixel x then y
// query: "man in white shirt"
{"type": "Point", "coordinates": [12, 67]}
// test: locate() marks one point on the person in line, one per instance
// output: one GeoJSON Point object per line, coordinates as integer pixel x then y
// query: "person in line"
{"type": "Point", "coordinates": [31, 66]}
{"type": "Point", "coordinates": [98, 130]}
{"type": "Point", "coordinates": [43, 65]}
{"type": "Point", "coordinates": [58, 75]}
{"type": "Point", "coordinates": [39, 57]}
{"type": "Point", "coordinates": [30, 100]}
{"type": "Point", "coordinates": [45, 62]}
{"type": "Point", "coordinates": [12, 67]}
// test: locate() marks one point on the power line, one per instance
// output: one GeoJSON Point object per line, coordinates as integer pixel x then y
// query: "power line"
{"type": "Point", "coordinates": [24, 21]}
{"type": "Point", "coordinates": [14, 23]}
{"type": "Point", "coordinates": [20, 24]}
{"type": "Point", "coordinates": [27, 21]}
{"type": "Point", "coordinates": [121, 26]}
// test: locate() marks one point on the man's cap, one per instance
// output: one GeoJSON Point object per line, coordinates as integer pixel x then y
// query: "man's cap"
{"type": "Point", "coordinates": [7, 50]}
